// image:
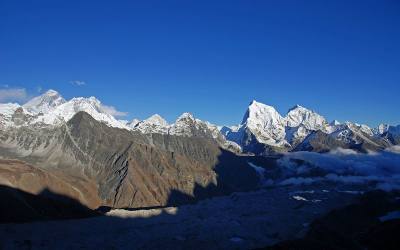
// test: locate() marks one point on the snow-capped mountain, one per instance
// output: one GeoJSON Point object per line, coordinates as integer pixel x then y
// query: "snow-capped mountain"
{"type": "Point", "coordinates": [51, 108]}
{"type": "Point", "coordinates": [188, 126]}
{"type": "Point", "coordinates": [266, 123]}
{"type": "Point", "coordinates": [263, 123]}
{"type": "Point", "coordinates": [8, 109]}
{"type": "Point", "coordinates": [262, 130]}
{"type": "Point", "coordinates": [334, 123]}
{"type": "Point", "coordinates": [353, 133]}
{"type": "Point", "coordinates": [185, 125]}
{"type": "Point", "coordinates": [153, 124]}
{"type": "Point", "coordinates": [300, 122]}
{"type": "Point", "coordinates": [381, 129]}
{"type": "Point", "coordinates": [131, 124]}
{"type": "Point", "coordinates": [44, 103]}
{"type": "Point", "coordinates": [392, 134]}
{"type": "Point", "coordinates": [310, 120]}
{"type": "Point", "coordinates": [6, 112]}
{"type": "Point", "coordinates": [67, 110]}
{"type": "Point", "coordinates": [348, 135]}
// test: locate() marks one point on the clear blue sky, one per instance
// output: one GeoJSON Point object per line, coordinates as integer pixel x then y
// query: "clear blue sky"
{"type": "Point", "coordinates": [340, 58]}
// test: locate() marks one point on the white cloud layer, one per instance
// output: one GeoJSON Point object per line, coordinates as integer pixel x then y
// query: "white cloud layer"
{"type": "Point", "coordinates": [13, 95]}
{"type": "Point", "coordinates": [343, 166]}
{"type": "Point", "coordinates": [78, 82]}
{"type": "Point", "coordinates": [394, 149]}
{"type": "Point", "coordinates": [111, 110]}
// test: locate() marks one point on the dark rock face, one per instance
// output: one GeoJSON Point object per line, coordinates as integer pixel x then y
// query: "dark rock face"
{"type": "Point", "coordinates": [130, 169]}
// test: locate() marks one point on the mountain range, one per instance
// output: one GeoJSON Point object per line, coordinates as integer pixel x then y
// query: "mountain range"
{"type": "Point", "coordinates": [263, 131]}
{"type": "Point", "coordinates": [78, 148]}
{"type": "Point", "coordinates": [63, 159]}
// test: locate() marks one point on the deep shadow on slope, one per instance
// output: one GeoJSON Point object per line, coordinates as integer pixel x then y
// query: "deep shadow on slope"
{"type": "Point", "coordinates": [234, 174]}
{"type": "Point", "coordinates": [18, 206]}
{"type": "Point", "coordinates": [356, 226]}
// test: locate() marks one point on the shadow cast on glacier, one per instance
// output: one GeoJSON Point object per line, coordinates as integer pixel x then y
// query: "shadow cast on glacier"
{"type": "Point", "coordinates": [18, 206]}
{"type": "Point", "coordinates": [367, 223]}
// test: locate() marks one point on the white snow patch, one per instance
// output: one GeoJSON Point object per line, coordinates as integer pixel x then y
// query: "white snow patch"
{"type": "Point", "coordinates": [236, 239]}
{"type": "Point", "coordinates": [299, 198]}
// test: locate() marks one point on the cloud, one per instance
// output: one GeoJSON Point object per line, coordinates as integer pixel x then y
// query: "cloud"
{"type": "Point", "coordinates": [394, 149]}
{"type": "Point", "coordinates": [13, 95]}
{"type": "Point", "coordinates": [113, 111]}
{"type": "Point", "coordinates": [78, 83]}
{"type": "Point", "coordinates": [299, 181]}
{"type": "Point", "coordinates": [381, 170]}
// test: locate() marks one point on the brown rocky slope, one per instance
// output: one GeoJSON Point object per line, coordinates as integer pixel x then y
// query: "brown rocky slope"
{"type": "Point", "coordinates": [103, 166]}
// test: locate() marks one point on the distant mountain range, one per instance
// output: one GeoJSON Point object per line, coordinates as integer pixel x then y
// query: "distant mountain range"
{"type": "Point", "coordinates": [263, 131]}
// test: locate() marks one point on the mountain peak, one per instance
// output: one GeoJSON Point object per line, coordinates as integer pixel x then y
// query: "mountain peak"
{"type": "Point", "coordinates": [297, 107]}
{"type": "Point", "coordinates": [186, 116]}
{"type": "Point", "coordinates": [93, 100]}
{"type": "Point", "coordinates": [253, 102]}
{"type": "Point", "coordinates": [335, 123]}
{"type": "Point", "coordinates": [78, 118]}
{"type": "Point", "coordinates": [264, 122]}
{"type": "Point", "coordinates": [299, 115]}
{"type": "Point", "coordinates": [156, 119]}
{"type": "Point", "coordinates": [260, 112]}
{"type": "Point", "coordinates": [153, 124]}
{"type": "Point", "coordinates": [133, 123]}
{"type": "Point", "coordinates": [51, 92]}
{"type": "Point", "coordinates": [45, 102]}
{"type": "Point", "coordinates": [382, 128]}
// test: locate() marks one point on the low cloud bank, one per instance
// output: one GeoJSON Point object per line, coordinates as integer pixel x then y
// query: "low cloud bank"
{"type": "Point", "coordinates": [380, 170]}
{"type": "Point", "coordinates": [111, 110]}
{"type": "Point", "coordinates": [13, 94]}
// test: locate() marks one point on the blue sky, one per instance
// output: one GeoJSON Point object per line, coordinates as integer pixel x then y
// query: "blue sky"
{"type": "Point", "coordinates": [339, 58]}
